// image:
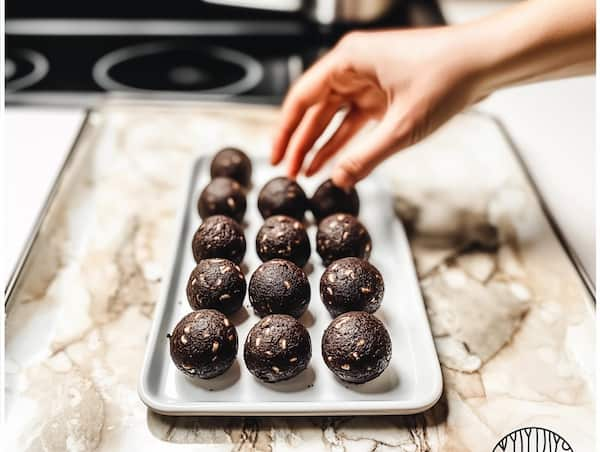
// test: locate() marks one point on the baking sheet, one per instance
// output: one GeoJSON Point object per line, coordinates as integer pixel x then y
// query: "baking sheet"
{"type": "Point", "coordinates": [411, 383]}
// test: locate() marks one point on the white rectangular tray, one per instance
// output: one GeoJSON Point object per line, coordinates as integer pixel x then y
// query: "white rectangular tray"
{"type": "Point", "coordinates": [411, 383]}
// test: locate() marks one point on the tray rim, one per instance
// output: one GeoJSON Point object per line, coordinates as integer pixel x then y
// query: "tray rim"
{"type": "Point", "coordinates": [274, 408]}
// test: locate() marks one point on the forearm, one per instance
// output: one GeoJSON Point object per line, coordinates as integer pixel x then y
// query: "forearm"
{"type": "Point", "coordinates": [534, 40]}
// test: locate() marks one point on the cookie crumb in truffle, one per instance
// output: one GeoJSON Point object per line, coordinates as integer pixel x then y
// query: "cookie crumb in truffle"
{"type": "Point", "coordinates": [282, 196]}
{"type": "Point", "coordinates": [267, 359]}
{"type": "Point", "coordinates": [233, 163]}
{"type": "Point", "coordinates": [356, 347]}
{"type": "Point", "coordinates": [279, 287]}
{"type": "Point", "coordinates": [216, 284]}
{"type": "Point", "coordinates": [329, 199]}
{"type": "Point", "coordinates": [222, 196]}
{"type": "Point", "coordinates": [342, 235]}
{"type": "Point", "coordinates": [283, 237]}
{"type": "Point", "coordinates": [219, 236]}
{"type": "Point", "coordinates": [202, 345]}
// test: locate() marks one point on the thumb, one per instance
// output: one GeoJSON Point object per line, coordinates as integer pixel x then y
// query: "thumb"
{"type": "Point", "coordinates": [388, 137]}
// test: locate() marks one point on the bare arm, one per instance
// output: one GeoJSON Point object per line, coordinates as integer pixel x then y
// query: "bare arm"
{"type": "Point", "coordinates": [536, 40]}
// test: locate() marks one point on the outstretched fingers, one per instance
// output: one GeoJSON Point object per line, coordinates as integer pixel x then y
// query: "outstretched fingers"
{"type": "Point", "coordinates": [314, 123]}
{"type": "Point", "coordinates": [308, 90]}
{"type": "Point", "coordinates": [388, 137]}
{"type": "Point", "coordinates": [351, 124]}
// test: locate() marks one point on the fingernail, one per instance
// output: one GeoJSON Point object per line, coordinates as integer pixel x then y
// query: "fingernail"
{"type": "Point", "coordinates": [342, 179]}
{"type": "Point", "coordinates": [275, 151]}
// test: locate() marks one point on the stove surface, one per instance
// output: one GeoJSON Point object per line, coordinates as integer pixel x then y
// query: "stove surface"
{"type": "Point", "coordinates": [193, 50]}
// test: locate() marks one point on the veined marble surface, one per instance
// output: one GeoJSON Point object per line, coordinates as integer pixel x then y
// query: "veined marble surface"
{"type": "Point", "coordinates": [512, 322]}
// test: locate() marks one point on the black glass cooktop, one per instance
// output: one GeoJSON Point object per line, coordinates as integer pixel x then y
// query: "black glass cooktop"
{"type": "Point", "coordinates": [189, 50]}
{"type": "Point", "coordinates": [84, 67]}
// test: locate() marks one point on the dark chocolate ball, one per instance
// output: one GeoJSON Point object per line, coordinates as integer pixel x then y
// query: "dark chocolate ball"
{"type": "Point", "coordinates": [216, 284]}
{"type": "Point", "coordinates": [285, 238]}
{"type": "Point", "coordinates": [351, 284]}
{"type": "Point", "coordinates": [204, 344]}
{"type": "Point", "coordinates": [329, 199]}
{"type": "Point", "coordinates": [233, 163]}
{"type": "Point", "coordinates": [279, 287]}
{"type": "Point", "coordinates": [222, 196]}
{"type": "Point", "coordinates": [282, 196]}
{"type": "Point", "coordinates": [277, 348]}
{"type": "Point", "coordinates": [219, 236]}
{"type": "Point", "coordinates": [356, 347]}
{"type": "Point", "coordinates": [342, 235]}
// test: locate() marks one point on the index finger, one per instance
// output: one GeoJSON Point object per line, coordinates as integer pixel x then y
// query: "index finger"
{"type": "Point", "coordinates": [308, 90]}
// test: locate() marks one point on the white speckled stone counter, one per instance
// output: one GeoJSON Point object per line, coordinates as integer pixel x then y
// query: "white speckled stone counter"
{"type": "Point", "coordinates": [512, 322]}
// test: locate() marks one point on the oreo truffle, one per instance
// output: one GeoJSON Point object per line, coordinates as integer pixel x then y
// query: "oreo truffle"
{"type": "Point", "coordinates": [351, 284]}
{"type": "Point", "coordinates": [329, 199]}
{"type": "Point", "coordinates": [282, 196]}
{"type": "Point", "coordinates": [356, 347]}
{"type": "Point", "coordinates": [233, 163]}
{"type": "Point", "coordinates": [279, 287]}
{"type": "Point", "coordinates": [342, 235]}
{"type": "Point", "coordinates": [222, 196]}
{"type": "Point", "coordinates": [285, 238]}
{"type": "Point", "coordinates": [219, 236]}
{"type": "Point", "coordinates": [277, 348]}
{"type": "Point", "coordinates": [216, 284]}
{"type": "Point", "coordinates": [204, 344]}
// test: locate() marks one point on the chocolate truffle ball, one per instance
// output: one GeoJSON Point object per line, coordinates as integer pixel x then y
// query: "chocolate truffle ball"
{"type": "Point", "coordinates": [219, 236]}
{"type": "Point", "coordinates": [342, 235]}
{"type": "Point", "coordinates": [277, 348]}
{"type": "Point", "coordinates": [216, 284]}
{"type": "Point", "coordinates": [351, 284]}
{"type": "Point", "coordinates": [282, 196]}
{"type": "Point", "coordinates": [232, 163]}
{"type": "Point", "coordinates": [279, 287]}
{"type": "Point", "coordinates": [356, 347]}
{"type": "Point", "coordinates": [330, 199]}
{"type": "Point", "coordinates": [222, 196]}
{"type": "Point", "coordinates": [204, 344]}
{"type": "Point", "coordinates": [285, 238]}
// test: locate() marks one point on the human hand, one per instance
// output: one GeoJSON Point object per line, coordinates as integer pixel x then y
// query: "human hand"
{"type": "Point", "coordinates": [412, 81]}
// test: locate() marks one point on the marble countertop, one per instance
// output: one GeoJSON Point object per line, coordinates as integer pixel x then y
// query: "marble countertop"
{"type": "Point", "coordinates": [512, 322]}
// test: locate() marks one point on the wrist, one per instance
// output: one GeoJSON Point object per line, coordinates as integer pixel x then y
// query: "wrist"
{"type": "Point", "coordinates": [468, 56]}
{"type": "Point", "coordinates": [531, 41]}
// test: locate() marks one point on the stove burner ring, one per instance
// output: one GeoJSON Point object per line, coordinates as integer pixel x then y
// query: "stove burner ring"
{"type": "Point", "coordinates": [253, 70]}
{"type": "Point", "coordinates": [39, 69]}
{"type": "Point", "coordinates": [10, 68]}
